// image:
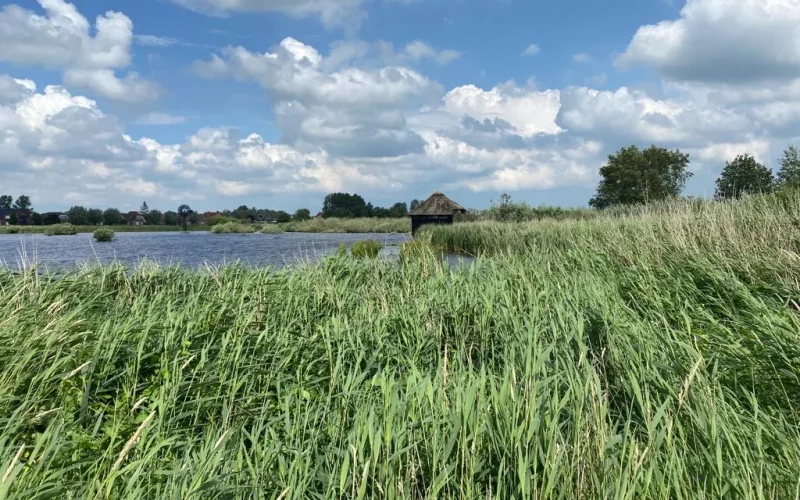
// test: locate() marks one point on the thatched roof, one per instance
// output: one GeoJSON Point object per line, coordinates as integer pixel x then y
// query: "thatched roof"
{"type": "Point", "coordinates": [438, 204]}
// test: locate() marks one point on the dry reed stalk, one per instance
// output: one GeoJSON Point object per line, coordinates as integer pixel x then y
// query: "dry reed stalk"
{"type": "Point", "coordinates": [132, 441]}
{"type": "Point", "coordinates": [13, 464]}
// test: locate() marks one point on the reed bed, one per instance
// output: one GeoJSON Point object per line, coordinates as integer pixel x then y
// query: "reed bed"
{"type": "Point", "coordinates": [234, 228]}
{"type": "Point", "coordinates": [362, 225]}
{"type": "Point", "coordinates": [647, 357]}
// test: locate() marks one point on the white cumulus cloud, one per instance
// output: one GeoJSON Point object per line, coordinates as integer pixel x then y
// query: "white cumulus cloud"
{"type": "Point", "coordinates": [63, 38]}
{"type": "Point", "coordinates": [722, 41]}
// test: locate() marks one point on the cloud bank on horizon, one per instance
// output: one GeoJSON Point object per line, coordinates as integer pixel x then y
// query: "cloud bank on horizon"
{"type": "Point", "coordinates": [107, 108]}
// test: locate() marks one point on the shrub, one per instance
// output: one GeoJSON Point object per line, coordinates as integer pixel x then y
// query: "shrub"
{"type": "Point", "coordinates": [367, 249]}
{"type": "Point", "coordinates": [272, 229]}
{"type": "Point", "coordinates": [232, 227]}
{"type": "Point", "coordinates": [104, 234]}
{"type": "Point", "coordinates": [221, 219]}
{"type": "Point", "coordinates": [61, 230]}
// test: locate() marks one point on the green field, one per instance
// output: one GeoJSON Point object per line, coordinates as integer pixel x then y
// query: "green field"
{"type": "Point", "coordinates": [648, 355]}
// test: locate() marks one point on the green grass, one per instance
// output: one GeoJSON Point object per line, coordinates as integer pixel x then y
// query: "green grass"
{"type": "Point", "coordinates": [654, 356]}
{"type": "Point", "coordinates": [367, 249]}
{"type": "Point", "coordinates": [365, 225]}
{"type": "Point", "coordinates": [233, 227]}
{"type": "Point", "coordinates": [92, 229]}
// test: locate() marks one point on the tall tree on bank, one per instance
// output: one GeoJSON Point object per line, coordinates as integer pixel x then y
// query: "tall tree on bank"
{"type": "Point", "coordinates": [302, 214]}
{"type": "Point", "coordinates": [112, 216]}
{"type": "Point", "coordinates": [634, 176]}
{"type": "Point", "coordinates": [94, 216]}
{"type": "Point", "coordinates": [743, 175]}
{"type": "Point", "coordinates": [171, 218]}
{"type": "Point", "coordinates": [789, 173]}
{"type": "Point", "coordinates": [23, 203]}
{"type": "Point", "coordinates": [345, 205]}
{"type": "Point", "coordinates": [153, 217]}
{"type": "Point", "coordinates": [144, 209]}
{"type": "Point", "coordinates": [5, 202]}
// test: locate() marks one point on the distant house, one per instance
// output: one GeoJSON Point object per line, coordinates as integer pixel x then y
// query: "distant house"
{"type": "Point", "coordinates": [319, 216]}
{"type": "Point", "coordinates": [261, 217]}
{"type": "Point", "coordinates": [63, 218]}
{"type": "Point", "coordinates": [135, 219]}
{"type": "Point", "coordinates": [205, 218]}
{"type": "Point", "coordinates": [23, 217]}
{"type": "Point", "coordinates": [438, 209]}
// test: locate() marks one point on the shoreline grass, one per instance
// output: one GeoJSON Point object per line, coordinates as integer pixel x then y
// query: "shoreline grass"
{"type": "Point", "coordinates": [233, 228]}
{"type": "Point", "coordinates": [92, 229]}
{"type": "Point", "coordinates": [361, 225]}
{"type": "Point", "coordinates": [655, 356]}
{"type": "Point", "coordinates": [334, 225]}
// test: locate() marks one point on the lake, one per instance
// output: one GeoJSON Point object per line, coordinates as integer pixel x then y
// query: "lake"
{"type": "Point", "coordinates": [193, 248]}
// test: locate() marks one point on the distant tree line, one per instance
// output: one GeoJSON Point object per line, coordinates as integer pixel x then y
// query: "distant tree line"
{"type": "Point", "coordinates": [630, 176]}
{"type": "Point", "coordinates": [634, 176]}
{"type": "Point", "coordinates": [346, 205]}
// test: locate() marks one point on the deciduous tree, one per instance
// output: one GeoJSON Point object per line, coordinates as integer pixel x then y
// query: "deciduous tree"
{"type": "Point", "coordinates": [153, 217]}
{"type": "Point", "coordinates": [634, 176]}
{"type": "Point", "coordinates": [302, 214]}
{"type": "Point", "coordinates": [112, 217]}
{"type": "Point", "coordinates": [171, 218]}
{"type": "Point", "coordinates": [94, 216]}
{"type": "Point", "coordinates": [345, 205]}
{"type": "Point", "coordinates": [23, 203]}
{"type": "Point", "coordinates": [789, 173]}
{"type": "Point", "coordinates": [743, 175]}
{"type": "Point", "coordinates": [78, 215]}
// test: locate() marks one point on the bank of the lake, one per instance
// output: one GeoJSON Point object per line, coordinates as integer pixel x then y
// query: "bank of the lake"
{"type": "Point", "coordinates": [333, 225]}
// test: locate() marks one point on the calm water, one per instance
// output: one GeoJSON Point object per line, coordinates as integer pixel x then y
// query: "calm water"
{"type": "Point", "coordinates": [190, 249]}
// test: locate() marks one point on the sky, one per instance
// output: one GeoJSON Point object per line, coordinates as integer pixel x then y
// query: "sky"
{"type": "Point", "coordinates": [275, 103]}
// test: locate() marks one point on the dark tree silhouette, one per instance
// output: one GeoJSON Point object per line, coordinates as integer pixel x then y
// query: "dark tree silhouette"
{"type": "Point", "coordinates": [185, 211]}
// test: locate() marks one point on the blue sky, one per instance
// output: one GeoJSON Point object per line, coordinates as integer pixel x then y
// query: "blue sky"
{"type": "Point", "coordinates": [274, 103]}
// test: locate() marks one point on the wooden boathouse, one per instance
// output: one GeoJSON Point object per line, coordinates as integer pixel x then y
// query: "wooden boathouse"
{"type": "Point", "coordinates": [438, 209]}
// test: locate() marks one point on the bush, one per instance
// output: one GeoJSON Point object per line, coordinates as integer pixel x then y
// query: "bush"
{"type": "Point", "coordinates": [272, 229]}
{"type": "Point", "coordinates": [104, 234]}
{"type": "Point", "coordinates": [61, 230]}
{"type": "Point", "coordinates": [367, 249]}
{"type": "Point", "coordinates": [221, 219]}
{"type": "Point", "coordinates": [233, 227]}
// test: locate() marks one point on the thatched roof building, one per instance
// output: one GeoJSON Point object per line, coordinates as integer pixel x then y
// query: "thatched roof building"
{"type": "Point", "coordinates": [438, 209]}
